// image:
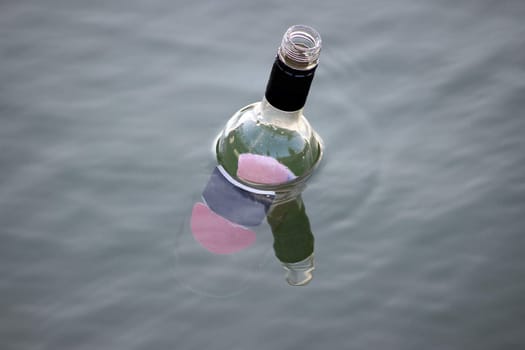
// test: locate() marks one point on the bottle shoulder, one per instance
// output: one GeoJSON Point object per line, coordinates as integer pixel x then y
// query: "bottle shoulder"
{"type": "Point", "coordinates": [263, 115]}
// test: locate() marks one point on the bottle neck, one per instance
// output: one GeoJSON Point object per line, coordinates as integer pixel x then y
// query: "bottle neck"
{"type": "Point", "coordinates": [269, 114]}
{"type": "Point", "coordinates": [288, 88]}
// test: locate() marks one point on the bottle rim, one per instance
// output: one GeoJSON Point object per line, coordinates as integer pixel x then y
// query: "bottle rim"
{"type": "Point", "coordinates": [300, 47]}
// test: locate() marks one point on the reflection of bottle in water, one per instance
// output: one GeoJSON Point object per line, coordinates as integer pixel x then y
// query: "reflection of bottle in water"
{"type": "Point", "coordinates": [265, 153]}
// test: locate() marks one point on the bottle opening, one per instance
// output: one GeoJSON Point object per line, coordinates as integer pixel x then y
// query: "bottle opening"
{"type": "Point", "coordinates": [300, 47]}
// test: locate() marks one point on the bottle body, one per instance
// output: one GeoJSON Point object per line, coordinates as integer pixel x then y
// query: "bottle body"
{"type": "Point", "coordinates": [261, 129]}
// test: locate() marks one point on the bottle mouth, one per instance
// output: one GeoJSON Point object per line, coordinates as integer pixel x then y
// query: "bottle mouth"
{"type": "Point", "coordinates": [300, 47]}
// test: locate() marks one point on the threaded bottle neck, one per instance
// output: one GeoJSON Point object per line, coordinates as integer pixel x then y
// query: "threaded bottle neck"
{"type": "Point", "coordinates": [294, 68]}
{"type": "Point", "coordinates": [300, 47]}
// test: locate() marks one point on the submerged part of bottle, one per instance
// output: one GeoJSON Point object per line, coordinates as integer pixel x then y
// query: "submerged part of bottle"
{"type": "Point", "coordinates": [293, 239]}
{"type": "Point", "coordinates": [274, 135]}
{"type": "Point", "coordinates": [225, 239]}
{"type": "Point", "coordinates": [299, 273]}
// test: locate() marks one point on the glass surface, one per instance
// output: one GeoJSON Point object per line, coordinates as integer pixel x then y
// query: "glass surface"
{"type": "Point", "coordinates": [285, 137]}
{"type": "Point", "coordinates": [108, 116]}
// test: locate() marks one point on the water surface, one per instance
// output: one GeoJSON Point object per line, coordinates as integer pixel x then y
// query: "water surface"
{"type": "Point", "coordinates": [107, 114]}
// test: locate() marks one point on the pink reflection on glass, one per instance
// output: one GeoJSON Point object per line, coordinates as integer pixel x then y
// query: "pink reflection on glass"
{"type": "Point", "coordinates": [262, 169]}
{"type": "Point", "coordinates": [217, 234]}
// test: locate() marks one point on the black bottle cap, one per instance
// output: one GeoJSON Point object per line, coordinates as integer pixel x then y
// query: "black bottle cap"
{"type": "Point", "coordinates": [288, 88]}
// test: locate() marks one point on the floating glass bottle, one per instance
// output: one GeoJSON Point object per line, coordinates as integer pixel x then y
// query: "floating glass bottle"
{"type": "Point", "coordinates": [265, 153]}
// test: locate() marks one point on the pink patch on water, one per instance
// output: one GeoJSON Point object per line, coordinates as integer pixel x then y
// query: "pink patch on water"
{"type": "Point", "coordinates": [217, 234]}
{"type": "Point", "coordinates": [262, 169]}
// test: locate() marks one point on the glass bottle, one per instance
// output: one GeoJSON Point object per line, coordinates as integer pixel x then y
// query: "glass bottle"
{"type": "Point", "coordinates": [265, 153]}
{"type": "Point", "coordinates": [272, 139]}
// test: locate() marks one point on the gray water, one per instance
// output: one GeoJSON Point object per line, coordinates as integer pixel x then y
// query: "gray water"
{"type": "Point", "coordinates": [107, 114]}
